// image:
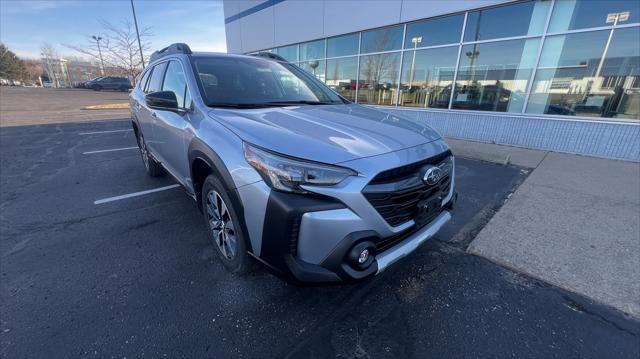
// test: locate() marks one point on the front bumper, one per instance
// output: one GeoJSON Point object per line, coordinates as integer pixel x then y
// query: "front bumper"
{"type": "Point", "coordinates": [312, 238]}
{"type": "Point", "coordinates": [337, 267]}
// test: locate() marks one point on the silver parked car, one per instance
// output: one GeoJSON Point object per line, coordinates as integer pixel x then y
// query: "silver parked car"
{"type": "Point", "coordinates": [287, 171]}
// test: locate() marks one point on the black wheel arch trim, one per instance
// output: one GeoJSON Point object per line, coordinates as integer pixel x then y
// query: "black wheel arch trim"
{"type": "Point", "coordinates": [199, 150]}
{"type": "Point", "coordinates": [280, 234]}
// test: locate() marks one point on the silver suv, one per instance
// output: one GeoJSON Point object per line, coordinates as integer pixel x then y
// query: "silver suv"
{"type": "Point", "coordinates": [287, 171]}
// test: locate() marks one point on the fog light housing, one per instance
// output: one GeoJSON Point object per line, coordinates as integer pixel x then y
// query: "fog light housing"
{"type": "Point", "coordinates": [362, 255]}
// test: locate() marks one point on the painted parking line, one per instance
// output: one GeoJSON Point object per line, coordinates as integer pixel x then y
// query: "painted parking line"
{"type": "Point", "coordinates": [110, 150]}
{"type": "Point", "coordinates": [101, 132]}
{"type": "Point", "coordinates": [134, 194]}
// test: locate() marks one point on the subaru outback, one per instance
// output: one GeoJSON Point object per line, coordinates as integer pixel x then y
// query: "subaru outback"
{"type": "Point", "coordinates": [285, 170]}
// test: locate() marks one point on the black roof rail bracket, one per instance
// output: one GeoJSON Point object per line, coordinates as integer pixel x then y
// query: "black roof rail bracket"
{"type": "Point", "coordinates": [177, 48]}
{"type": "Point", "coordinates": [270, 55]}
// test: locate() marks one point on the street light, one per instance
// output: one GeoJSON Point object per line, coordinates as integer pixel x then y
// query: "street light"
{"type": "Point", "coordinates": [98, 38]}
{"type": "Point", "coordinates": [135, 21]}
{"type": "Point", "coordinates": [416, 40]}
{"type": "Point", "coordinates": [314, 64]}
{"type": "Point", "coordinates": [614, 18]}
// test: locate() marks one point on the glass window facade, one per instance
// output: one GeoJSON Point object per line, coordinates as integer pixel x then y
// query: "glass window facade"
{"type": "Point", "coordinates": [315, 67]}
{"type": "Point", "coordinates": [385, 39]}
{"type": "Point", "coordinates": [589, 74]}
{"type": "Point", "coordinates": [427, 76]}
{"type": "Point", "coordinates": [342, 75]}
{"type": "Point", "coordinates": [378, 80]}
{"type": "Point", "coordinates": [290, 53]}
{"type": "Point", "coordinates": [440, 31]}
{"type": "Point", "coordinates": [525, 18]}
{"type": "Point", "coordinates": [493, 76]}
{"type": "Point", "coordinates": [579, 58]}
{"type": "Point", "coordinates": [573, 15]}
{"type": "Point", "coordinates": [343, 45]}
{"type": "Point", "coordinates": [312, 50]}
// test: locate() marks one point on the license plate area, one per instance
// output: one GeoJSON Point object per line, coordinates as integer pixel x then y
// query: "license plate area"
{"type": "Point", "coordinates": [428, 209]}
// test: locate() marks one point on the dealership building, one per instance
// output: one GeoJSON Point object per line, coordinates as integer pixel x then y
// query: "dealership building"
{"type": "Point", "coordinates": [560, 75]}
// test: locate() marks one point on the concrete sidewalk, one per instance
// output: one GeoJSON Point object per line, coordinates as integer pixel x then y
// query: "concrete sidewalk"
{"type": "Point", "coordinates": [574, 223]}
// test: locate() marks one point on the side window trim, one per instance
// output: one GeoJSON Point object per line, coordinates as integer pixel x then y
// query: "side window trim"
{"type": "Point", "coordinates": [145, 88]}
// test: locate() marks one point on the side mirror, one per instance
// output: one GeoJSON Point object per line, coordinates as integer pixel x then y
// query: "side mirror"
{"type": "Point", "coordinates": [162, 100]}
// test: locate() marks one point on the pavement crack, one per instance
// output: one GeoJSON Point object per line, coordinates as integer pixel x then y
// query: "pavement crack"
{"type": "Point", "coordinates": [575, 306]}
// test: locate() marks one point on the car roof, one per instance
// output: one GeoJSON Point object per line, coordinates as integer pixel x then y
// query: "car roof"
{"type": "Point", "coordinates": [211, 55]}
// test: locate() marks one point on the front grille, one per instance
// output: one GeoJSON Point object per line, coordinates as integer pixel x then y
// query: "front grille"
{"type": "Point", "coordinates": [396, 198]}
{"type": "Point", "coordinates": [403, 172]}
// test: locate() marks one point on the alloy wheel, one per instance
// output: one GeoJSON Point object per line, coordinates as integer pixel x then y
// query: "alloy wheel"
{"type": "Point", "coordinates": [221, 225]}
{"type": "Point", "coordinates": [144, 153]}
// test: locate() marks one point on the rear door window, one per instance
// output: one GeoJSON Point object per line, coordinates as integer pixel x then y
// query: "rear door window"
{"type": "Point", "coordinates": [155, 82]}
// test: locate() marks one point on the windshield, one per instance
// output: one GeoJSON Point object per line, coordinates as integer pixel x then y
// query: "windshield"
{"type": "Point", "coordinates": [255, 82]}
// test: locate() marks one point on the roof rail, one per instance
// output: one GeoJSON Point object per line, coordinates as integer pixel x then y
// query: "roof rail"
{"type": "Point", "coordinates": [178, 48]}
{"type": "Point", "coordinates": [270, 55]}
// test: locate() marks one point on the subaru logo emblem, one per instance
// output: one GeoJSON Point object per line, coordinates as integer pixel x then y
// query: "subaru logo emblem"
{"type": "Point", "coordinates": [432, 175]}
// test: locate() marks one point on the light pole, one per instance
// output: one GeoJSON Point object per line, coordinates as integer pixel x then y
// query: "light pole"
{"type": "Point", "coordinates": [416, 40]}
{"type": "Point", "coordinates": [314, 64]}
{"type": "Point", "coordinates": [98, 38]}
{"type": "Point", "coordinates": [611, 18]}
{"type": "Point", "coordinates": [135, 21]}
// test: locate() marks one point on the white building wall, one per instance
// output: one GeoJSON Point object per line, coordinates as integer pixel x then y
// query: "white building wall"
{"type": "Point", "coordinates": [280, 23]}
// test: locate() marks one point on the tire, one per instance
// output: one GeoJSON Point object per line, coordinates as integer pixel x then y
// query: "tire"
{"type": "Point", "coordinates": [226, 234]}
{"type": "Point", "coordinates": [97, 88]}
{"type": "Point", "coordinates": [152, 167]}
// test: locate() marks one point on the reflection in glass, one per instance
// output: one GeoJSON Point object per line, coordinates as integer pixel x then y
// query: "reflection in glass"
{"type": "Point", "coordinates": [526, 18]}
{"type": "Point", "coordinates": [312, 50]}
{"type": "Point", "coordinates": [314, 67]}
{"type": "Point", "coordinates": [440, 31]}
{"type": "Point", "coordinates": [494, 76]}
{"type": "Point", "coordinates": [290, 53]}
{"type": "Point", "coordinates": [341, 76]}
{"type": "Point", "coordinates": [385, 39]}
{"type": "Point", "coordinates": [342, 45]}
{"type": "Point", "coordinates": [572, 14]}
{"type": "Point", "coordinates": [378, 80]}
{"type": "Point", "coordinates": [427, 76]}
{"type": "Point", "coordinates": [574, 78]}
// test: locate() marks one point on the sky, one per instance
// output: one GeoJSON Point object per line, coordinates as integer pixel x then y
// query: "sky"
{"type": "Point", "coordinates": [26, 24]}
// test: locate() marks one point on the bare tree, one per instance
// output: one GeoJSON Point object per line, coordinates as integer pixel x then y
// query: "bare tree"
{"type": "Point", "coordinates": [34, 69]}
{"type": "Point", "coordinates": [50, 55]}
{"type": "Point", "coordinates": [119, 48]}
{"type": "Point", "coordinates": [379, 71]}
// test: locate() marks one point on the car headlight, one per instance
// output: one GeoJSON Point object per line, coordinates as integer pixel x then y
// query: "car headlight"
{"type": "Point", "coordinates": [288, 174]}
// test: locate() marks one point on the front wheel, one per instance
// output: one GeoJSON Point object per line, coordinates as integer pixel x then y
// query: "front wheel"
{"type": "Point", "coordinates": [152, 167]}
{"type": "Point", "coordinates": [224, 226]}
{"type": "Point", "coordinates": [97, 88]}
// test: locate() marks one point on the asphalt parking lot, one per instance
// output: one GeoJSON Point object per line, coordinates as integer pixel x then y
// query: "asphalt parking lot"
{"type": "Point", "coordinates": [34, 105]}
{"type": "Point", "coordinates": [138, 277]}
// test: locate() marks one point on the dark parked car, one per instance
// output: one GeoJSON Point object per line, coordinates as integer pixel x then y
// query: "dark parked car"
{"type": "Point", "coordinates": [110, 83]}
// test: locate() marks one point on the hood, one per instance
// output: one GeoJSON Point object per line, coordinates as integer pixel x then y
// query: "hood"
{"type": "Point", "coordinates": [325, 133]}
